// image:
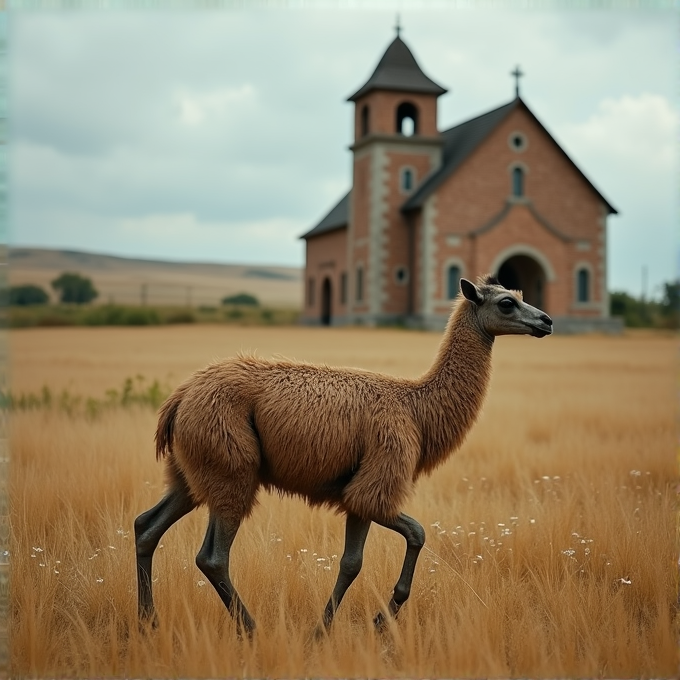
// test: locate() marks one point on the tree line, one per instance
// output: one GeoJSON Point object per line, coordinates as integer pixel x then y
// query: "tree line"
{"type": "Point", "coordinates": [72, 288]}
{"type": "Point", "coordinates": [648, 313]}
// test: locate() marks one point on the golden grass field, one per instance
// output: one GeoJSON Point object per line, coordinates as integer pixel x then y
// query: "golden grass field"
{"type": "Point", "coordinates": [551, 536]}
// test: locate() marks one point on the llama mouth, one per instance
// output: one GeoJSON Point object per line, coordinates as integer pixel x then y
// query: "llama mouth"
{"type": "Point", "coordinates": [537, 332]}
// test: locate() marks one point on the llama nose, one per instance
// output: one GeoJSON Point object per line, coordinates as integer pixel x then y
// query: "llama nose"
{"type": "Point", "coordinates": [546, 319]}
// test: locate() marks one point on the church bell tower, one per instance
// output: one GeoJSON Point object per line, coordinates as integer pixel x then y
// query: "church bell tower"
{"type": "Point", "coordinates": [396, 145]}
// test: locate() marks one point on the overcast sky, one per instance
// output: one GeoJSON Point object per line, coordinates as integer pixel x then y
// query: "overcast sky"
{"type": "Point", "coordinates": [222, 135]}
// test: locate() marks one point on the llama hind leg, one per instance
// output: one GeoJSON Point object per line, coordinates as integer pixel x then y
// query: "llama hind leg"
{"type": "Point", "coordinates": [213, 561]}
{"type": "Point", "coordinates": [149, 528]}
{"type": "Point", "coordinates": [414, 534]}
{"type": "Point", "coordinates": [356, 531]}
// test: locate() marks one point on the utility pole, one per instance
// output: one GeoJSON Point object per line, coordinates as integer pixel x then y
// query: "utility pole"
{"type": "Point", "coordinates": [644, 282]}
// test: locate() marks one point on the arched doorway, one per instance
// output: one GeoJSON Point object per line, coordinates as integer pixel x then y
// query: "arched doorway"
{"type": "Point", "coordinates": [523, 272]}
{"type": "Point", "coordinates": [326, 300]}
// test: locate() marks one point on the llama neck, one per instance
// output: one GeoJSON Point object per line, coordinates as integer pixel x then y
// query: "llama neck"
{"type": "Point", "coordinates": [449, 396]}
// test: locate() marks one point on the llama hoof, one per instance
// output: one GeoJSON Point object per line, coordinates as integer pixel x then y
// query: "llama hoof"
{"type": "Point", "coordinates": [148, 623]}
{"type": "Point", "coordinates": [319, 633]}
{"type": "Point", "coordinates": [246, 632]}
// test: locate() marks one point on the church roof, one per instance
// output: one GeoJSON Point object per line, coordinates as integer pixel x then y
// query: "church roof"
{"type": "Point", "coordinates": [398, 70]}
{"type": "Point", "coordinates": [461, 140]}
{"type": "Point", "coordinates": [459, 143]}
{"type": "Point", "coordinates": [337, 218]}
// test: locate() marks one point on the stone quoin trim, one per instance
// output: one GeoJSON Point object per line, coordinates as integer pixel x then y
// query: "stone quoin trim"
{"type": "Point", "coordinates": [379, 192]}
{"type": "Point", "coordinates": [429, 250]}
{"type": "Point", "coordinates": [602, 260]}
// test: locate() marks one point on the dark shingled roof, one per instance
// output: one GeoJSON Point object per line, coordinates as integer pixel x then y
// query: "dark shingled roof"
{"type": "Point", "coordinates": [459, 143]}
{"type": "Point", "coordinates": [398, 70]}
{"type": "Point", "coordinates": [337, 218]}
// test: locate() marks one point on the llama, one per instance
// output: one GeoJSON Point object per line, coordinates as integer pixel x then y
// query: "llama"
{"type": "Point", "coordinates": [349, 439]}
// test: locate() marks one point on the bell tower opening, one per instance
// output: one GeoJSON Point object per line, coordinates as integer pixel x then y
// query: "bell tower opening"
{"type": "Point", "coordinates": [407, 119]}
{"type": "Point", "coordinates": [365, 122]}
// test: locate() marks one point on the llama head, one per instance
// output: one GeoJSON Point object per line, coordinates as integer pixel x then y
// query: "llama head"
{"type": "Point", "coordinates": [501, 311]}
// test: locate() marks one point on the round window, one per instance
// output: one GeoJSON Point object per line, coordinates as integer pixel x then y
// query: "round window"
{"type": "Point", "coordinates": [517, 141]}
{"type": "Point", "coordinates": [401, 275]}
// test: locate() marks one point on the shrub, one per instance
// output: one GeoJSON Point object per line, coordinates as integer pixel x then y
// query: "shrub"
{"type": "Point", "coordinates": [115, 315]}
{"type": "Point", "coordinates": [233, 313]}
{"type": "Point", "coordinates": [74, 288]}
{"type": "Point", "coordinates": [55, 319]}
{"type": "Point", "coordinates": [181, 316]}
{"type": "Point", "coordinates": [27, 295]}
{"type": "Point", "coordinates": [636, 313]}
{"type": "Point", "coordinates": [141, 317]}
{"type": "Point", "coordinates": [107, 315]}
{"type": "Point", "coordinates": [670, 304]}
{"type": "Point", "coordinates": [244, 299]}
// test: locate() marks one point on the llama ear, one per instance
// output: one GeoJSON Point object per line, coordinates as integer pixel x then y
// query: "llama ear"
{"type": "Point", "coordinates": [471, 292]}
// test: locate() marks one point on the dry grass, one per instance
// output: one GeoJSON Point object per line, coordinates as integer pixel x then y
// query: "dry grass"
{"type": "Point", "coordinates": [551, 535]}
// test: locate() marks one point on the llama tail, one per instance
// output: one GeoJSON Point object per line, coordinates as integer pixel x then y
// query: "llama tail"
{"type": "Point", "coordinates": [166, 422]}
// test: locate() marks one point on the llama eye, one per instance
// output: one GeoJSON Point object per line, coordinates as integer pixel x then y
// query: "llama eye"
{"type": "Point", "coordinates": [506, 305]}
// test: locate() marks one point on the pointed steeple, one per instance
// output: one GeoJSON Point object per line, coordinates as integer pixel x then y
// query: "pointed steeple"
{"type": "Point", "coordinates": [398, 71]}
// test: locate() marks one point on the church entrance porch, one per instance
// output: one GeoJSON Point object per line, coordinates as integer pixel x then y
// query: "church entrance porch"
{"type": "Point", "coordinates": [326, 300]}
{"type": "Point", "coordinates": [522, 272]}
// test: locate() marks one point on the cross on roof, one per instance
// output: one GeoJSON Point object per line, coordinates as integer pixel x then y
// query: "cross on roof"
{"type": "Point", "coordinates": [398, 27]}
{"type": "Point", "coordinates": [518, 74]}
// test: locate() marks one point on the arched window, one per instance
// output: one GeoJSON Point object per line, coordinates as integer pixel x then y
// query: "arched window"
{"type": "Point", "coordinates": [452, 281]}
{"type": "Point", "coordinates": [360, 284]}
{"type": "Point", "coordinates": [407, 119]}
{"type": "Point", "coordinates": [517, 182]}
{"type": "Point", "coordinates": [364, 120]}
{"type": "Point", "coordinates": [406, 179]}
{"type": "Point", "coordinates": [583, 285]}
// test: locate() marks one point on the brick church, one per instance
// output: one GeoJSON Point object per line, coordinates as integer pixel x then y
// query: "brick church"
{"type": "Point", "coordinates": [492, 194]}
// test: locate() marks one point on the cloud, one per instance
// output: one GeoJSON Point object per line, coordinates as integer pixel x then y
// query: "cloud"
{"type": "Point", "coordinates": [636, 131]}
{"type": "Point", "coordinates": [194, 108]}
{"type": "Point", "coordinates": [233, 125]}
{"type": "Point", "coordinates": [628, 143]}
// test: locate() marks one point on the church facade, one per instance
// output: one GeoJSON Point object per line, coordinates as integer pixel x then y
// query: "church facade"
{"type": "Point", "coordinates": [494, 194]}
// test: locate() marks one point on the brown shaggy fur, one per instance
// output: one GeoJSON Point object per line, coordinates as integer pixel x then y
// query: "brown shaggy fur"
{"type": "Point", "coordinates": [353, 440]}
{"type": "Point", "coordinates": [350, 439]}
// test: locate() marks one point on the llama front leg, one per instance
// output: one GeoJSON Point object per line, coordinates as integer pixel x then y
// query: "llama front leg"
{"type": "Point", "coordinates": [356, 531]}
{"type": "Point", "coordinates": [213, 561]}
{"type": "Point", "coordinates": [414, 534]}
{"type": "Point", "coordinates": [149, 528]}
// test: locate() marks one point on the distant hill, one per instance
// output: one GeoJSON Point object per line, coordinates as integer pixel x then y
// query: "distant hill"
{"type": "Point", "coordinates": [128, 280]}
